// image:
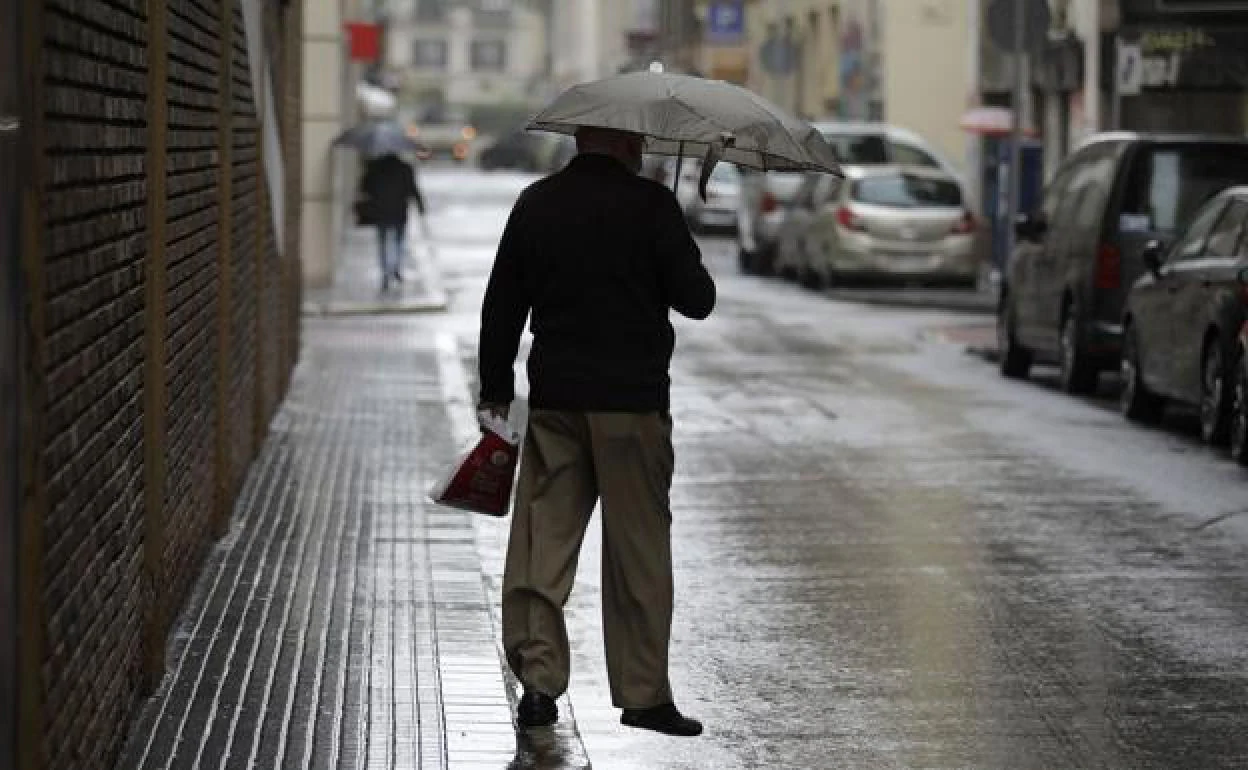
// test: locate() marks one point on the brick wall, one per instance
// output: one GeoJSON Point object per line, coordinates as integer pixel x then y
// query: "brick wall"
{"type": "Point", "coordinates": [94, 242]}
{"type": "Point", "coordinates": [192, 281]}
{"type": "Point", "coordinates": [131, 317]}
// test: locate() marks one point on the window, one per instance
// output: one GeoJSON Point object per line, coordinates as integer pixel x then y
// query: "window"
{"type": "Point", "coordinates": [1192, 244]}
{"type": "Point", "coordinates": [1091, 211]}
{"type": "Point", "coordinates": [429, 54]}
{"type": "Point", "coordinates": [784, 185]}
{"type": "Point", "coordinates": [909, 155]}
{"type": "Point", "coordinates": [431, 11]}
{"type": "Point", "coordinates": [489, 55]}
{"type": "Point", "coordinates": [1169, 183]}
{"type": "Point", "coordinates": [1069, 204]}
{"type": "Point", "coordinates": [1055, 192]}
{"type": "Point", "coordinates": [492, 13]}
{"type": "Point", "coordinates": [907, 191]}
{"type": "Point", "coordinates": [859, 149]}
{"type": "Point", "coordinates": [1225, 235]}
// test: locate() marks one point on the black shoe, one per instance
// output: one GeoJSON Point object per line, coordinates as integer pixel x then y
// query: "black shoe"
{"type": "Point", "coordinates": [398, 277]}
{"type": "Point", "coordinates": [664, 719]}
{"type": "Point", "coordinates": [536, 710]}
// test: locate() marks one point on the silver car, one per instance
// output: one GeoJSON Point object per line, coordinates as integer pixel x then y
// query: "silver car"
{"type": "Point", "coordinates": [895, 222]}
{"type": "Point", "coordinates": [723, 191]}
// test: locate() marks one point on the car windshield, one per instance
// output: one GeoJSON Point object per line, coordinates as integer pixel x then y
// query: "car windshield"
{"type": "Point", "coordinates": [859, 149]}
{"type": "Point", "coordinates": [1170, 182]}
{"type": "Point", "coordinates": [906, 191]}
{"type": "Point", "coordinates": [724, 174]}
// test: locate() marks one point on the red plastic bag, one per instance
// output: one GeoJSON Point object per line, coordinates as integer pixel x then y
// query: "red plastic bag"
{"type": "Point", "coordinates": [482, 479]}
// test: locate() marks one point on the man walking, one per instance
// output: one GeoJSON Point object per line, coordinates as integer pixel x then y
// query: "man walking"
{"type": "Point", "coordinates": [389, 186]}
{"type": "Point", "coordinates": [598, 255]}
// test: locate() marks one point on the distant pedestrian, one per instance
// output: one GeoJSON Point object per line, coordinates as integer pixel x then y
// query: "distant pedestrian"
{"type": "Point", "coordinates": [598, 256]}
{"type": "Point", "coordinates": [389, 187]}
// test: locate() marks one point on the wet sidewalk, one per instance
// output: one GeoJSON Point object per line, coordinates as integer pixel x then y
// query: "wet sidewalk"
{"type": "Point", "coordinates": [356, 289]}
{"type": "Point", "coordinates": [344, 621]}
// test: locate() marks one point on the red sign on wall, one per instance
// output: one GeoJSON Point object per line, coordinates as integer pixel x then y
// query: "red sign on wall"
{"type": "Point", "coordinates": [365, 41]}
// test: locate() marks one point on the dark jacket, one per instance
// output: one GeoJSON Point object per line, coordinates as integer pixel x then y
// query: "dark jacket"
{"type": "Point", "coordinates": [598, 255]}
{"type": "Point", "coordinates": [389, 185]}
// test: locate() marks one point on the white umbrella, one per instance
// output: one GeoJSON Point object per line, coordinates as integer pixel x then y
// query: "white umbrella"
{"type": "Point", "coordinates": [376, 102]}
{"type": "Point", "coordinates": [681, 115]}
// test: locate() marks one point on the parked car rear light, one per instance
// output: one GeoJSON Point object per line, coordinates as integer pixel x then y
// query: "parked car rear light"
{"type": "Point", "coordinates": [1108, 266]}
{"type": "Point", "coordinates": [965, 225]}
{"type": "Point", "coordinates": [769, 203]}
{"type": "Point", "coordinates": [849, 220]}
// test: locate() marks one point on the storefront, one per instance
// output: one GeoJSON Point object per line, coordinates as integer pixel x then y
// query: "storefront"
{"type": "Point", "coordinates": [1180, 65]}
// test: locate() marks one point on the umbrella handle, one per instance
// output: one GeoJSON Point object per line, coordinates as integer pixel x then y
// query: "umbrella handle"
{"type": "Point", "coordinates": [680, 159]}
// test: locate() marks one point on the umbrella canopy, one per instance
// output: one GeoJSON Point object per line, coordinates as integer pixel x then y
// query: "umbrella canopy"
{"type": "Point", "coordinates": [683, 115]}
{"type": "Point", "coordinates": [377, 139]}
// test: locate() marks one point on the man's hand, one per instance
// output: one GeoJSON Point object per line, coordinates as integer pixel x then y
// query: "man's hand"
{"type": "Point", "coordinates": [492, 409]}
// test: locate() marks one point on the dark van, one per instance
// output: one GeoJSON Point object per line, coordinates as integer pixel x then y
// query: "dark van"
{"type": "Point", "coordinates": [1078, 254]}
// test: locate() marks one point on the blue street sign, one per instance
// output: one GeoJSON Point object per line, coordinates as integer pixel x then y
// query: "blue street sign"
{"type": "Point", "coordinates": [725, 21]}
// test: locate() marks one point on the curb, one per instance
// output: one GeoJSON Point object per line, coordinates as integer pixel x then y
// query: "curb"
{"type": "Point", "coordinates": [374, 308]}
{"type": "Point", "coordinates": [537, 747]}
{"type": "Point", "coordinates": [968, 305]}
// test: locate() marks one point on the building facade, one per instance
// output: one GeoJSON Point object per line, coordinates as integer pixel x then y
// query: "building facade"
{"type": "Point", "coordinates": [466, 52]}
{"type": "Point", "coordinates": [870, 60]}
{"type": "Point", "coordinates": [1142, 65]}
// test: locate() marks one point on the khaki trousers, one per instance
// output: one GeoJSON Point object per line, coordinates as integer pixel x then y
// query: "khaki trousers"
{"type": "Point", "coordinates": [571, 460]}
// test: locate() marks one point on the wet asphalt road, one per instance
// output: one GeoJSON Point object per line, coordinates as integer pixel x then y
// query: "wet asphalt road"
{"type": "Point", "coordinates": [888, 557]}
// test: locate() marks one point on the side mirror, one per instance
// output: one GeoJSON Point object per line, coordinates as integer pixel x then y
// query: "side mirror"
{"type": "Point", "coordinates": [1153, 254]}
{"type": "Point", "coordinates": [1029, 227]}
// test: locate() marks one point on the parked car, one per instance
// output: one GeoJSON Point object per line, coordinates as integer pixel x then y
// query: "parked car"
{"type": "Point", "coordinates": [855, 143]}
{"type": "Point", "coordinates": [1079, 252]}
{"type": "Point", "coordinates": [761, 209]}
{"type": "Point", "coordinates": [723, 192]}
{"type": "Point", "coordinates": [882, 144]}
{"type": "Point", "coordinates": [1239, 409]}
{"type": "Point", "coordinates": [893, 223]}
{"type": "Point", "coordinates": [520, 150]}
{"type": "Point", "coordinates": [1183, 319]}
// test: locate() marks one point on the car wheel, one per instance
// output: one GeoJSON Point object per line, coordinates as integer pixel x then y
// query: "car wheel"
{"type": "Point", "coordinates": [1239, 413]}
{"type": "Point", "coordinates": [1014, 359]}
{"type": "Point", "coordinates": [1136, 401]}
{"type": "Point", "coordinates": [1078, 375]}
{"type": "Point", "coordinates": [811, 279]}
{"type": "Point", "coordinates": [765, 260]}
{"type": "Point", "coordinates": [1215, 397]}
{"type": "Point", "coordinates": [747, 261]}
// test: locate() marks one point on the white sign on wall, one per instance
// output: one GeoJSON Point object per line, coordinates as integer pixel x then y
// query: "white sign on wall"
{"type": "Point", "coordinates": [1130, 69]}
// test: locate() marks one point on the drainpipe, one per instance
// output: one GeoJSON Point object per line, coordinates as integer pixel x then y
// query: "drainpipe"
{"type": "Point", "coordinates": [1091, 69]}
